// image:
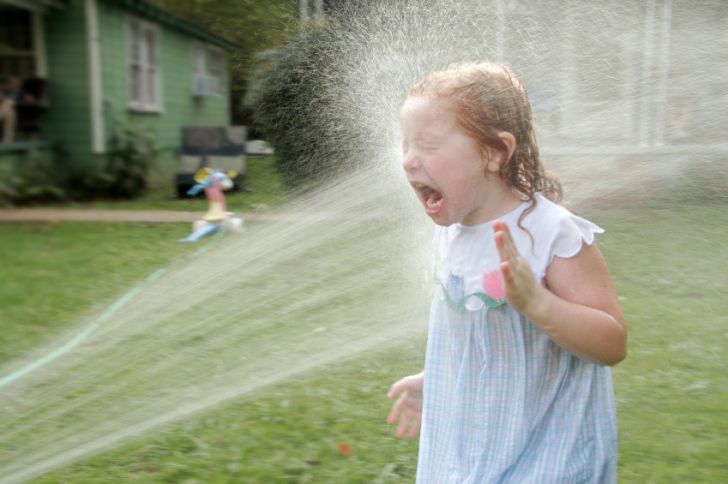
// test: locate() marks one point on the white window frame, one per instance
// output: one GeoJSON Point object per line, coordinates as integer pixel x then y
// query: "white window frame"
{"type": "Point", "coordinates": [41, 59]}
{"type": "Point", "coordinates": [146, 102]}
{"type": "Point", "coordinates": [216, 79]}
{"type": "Point", "coordinates": [201, 55]}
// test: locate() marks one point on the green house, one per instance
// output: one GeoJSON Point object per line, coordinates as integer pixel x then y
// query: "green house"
{"type": "Point", "coordinates": [107, 65]}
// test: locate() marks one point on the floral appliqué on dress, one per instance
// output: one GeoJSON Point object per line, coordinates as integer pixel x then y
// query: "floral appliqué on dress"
{"type": "Point", "coordinates": [493, 294]}
{"type": "Point", "coordinates": [494, 286]}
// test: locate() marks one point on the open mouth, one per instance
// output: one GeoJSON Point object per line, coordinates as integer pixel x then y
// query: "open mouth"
{"type": "Point", "coordinates": [431, 198]}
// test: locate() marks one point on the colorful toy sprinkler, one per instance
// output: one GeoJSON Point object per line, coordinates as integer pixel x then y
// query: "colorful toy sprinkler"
{"type": "Point", "coordinates": [217, 218]}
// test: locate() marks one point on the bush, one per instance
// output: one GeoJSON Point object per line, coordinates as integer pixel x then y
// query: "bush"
{"type": "Point", "coordinates": [128, 163]}
{"type": "Point", "coordinates": [295, 109]}
{"type": "Point", "coordinates": [38, 177]}
{"type": "Point", "coordinates": [131, 155]}
{"type": "Point", "coordinates": [34, 179]}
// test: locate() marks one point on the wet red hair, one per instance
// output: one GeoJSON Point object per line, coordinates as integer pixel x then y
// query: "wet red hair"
{"type": "Point", "coordinates": [489, 98]}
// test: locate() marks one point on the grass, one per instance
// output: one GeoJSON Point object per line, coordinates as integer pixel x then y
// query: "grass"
{"type": "Point", "coordinates": [671, 268]}
{"type": "Point", "coordinates": [291, 432]}
{"type": "Point", "coordinates": [671, 271]}
{"type": "Point", "coordinates": [51, 273]}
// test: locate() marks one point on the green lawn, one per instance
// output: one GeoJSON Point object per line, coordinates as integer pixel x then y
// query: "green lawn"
{"type": "Point", "coordinates": [670, 268]}
{"type": "Point", "coordinates": [54, 273]}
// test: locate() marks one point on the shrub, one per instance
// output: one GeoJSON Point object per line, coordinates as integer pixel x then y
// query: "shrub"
{"type": "Point", "coordinates": [37, 177]}
{"type": "Point", "coordinates": [33, 179]}
{"type": "Point", "coordinates": [124, 174]}
{"type": "Point", "coordinates": [293, 106]}
{"type": "Point", "coordinates": [131, 155]}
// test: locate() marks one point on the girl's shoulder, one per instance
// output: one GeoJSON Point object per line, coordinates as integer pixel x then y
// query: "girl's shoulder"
{"type": "Point", "coordinates": [545, 212]}
{"type": "Point", "coordinates": [556, 231]}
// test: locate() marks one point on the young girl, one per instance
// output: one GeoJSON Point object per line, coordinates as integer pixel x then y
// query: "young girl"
{"type": "Point", "coordinates": [525, 322]}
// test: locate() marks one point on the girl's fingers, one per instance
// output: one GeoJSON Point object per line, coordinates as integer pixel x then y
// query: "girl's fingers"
{"type": "Point", "coordinates": [402, 427]}
{"type": "Point", "coordinates": [504, 242]}
{"type": "Point", "coordinates": [393, 414]}
{"type": "Point", "coordinates": [510, 244]}
{"type": "Point", "coordinates": [506, 271]}
{"type": "Point", "coordinates": [396, 388]}
{"type": "Point", "coordinates": [415, 428]}
{"type": "Point", "coordinates": [507, 249]}
{"type": "Point", "coordinates": [501, 240]}
{"type": "Point", "coordinates": [396, 411]}
{"type": "Point", "coordinates": [500, 244]}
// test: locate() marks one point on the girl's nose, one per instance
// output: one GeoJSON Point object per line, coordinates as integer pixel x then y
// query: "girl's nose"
{"type": "Point", "coordinates": [410, 161]}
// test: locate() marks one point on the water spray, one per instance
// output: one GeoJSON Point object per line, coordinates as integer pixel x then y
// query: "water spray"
{"type": "Point", "coordinates": [342, 268]}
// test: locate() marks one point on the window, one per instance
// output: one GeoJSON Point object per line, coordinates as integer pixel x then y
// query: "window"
{"type": "Point", "coordinates": [143, 66]}
{"type": "Point", "coordinates": [215, 70]}
{"type": "Point", "coordinates": [198, 59]}
{"type": "Point", "coordinates": [17, 52]}
{"type": "Point", "coordinates": [208, 70]}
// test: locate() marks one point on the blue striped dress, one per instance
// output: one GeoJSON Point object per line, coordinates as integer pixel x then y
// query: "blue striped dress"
{"type": "Point", "coordinates": [502, 402]}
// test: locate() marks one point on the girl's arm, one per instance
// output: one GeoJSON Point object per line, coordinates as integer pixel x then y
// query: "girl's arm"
{"type": "Point", "coordinates": [578, 309]}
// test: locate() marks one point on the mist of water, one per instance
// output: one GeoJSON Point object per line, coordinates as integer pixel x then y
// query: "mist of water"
{"type": "Point", "coordinates": [325, 279]}
{"type": "Point", "coordinates": [342, 269]}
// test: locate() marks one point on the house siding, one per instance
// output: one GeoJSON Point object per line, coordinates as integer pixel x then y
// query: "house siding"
{"type": "Point", "coordinates": [67, 120]}
{"type": "Point", "coordinates": [179, 108]}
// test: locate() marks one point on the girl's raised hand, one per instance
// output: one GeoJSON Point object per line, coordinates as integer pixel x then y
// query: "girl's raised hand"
{"type": "Point", "coordinates": [520, 285]}
{"type": "Point", "coordinates": [407, 410]}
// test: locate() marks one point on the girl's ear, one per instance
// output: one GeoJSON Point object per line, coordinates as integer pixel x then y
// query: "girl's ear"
{"type": "Point", "coordinates": [510, 141]}
{"type": "Point", "coordinates": [499, 158]}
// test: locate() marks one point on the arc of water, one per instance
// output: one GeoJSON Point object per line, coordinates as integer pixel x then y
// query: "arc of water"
{"type": "Point", "coordinates": [92, 327]}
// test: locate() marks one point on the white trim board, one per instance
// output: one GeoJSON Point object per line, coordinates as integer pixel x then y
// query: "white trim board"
{"type": "Point", "coordinates": [98, 141]}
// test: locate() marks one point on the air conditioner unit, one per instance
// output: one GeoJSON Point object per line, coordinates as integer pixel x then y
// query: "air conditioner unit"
{"type": "Point", "coordinates": [201, 85]}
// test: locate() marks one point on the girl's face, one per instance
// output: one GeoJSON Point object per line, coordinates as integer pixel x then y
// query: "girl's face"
{"type": "Point", "coordinates": [444, 165]}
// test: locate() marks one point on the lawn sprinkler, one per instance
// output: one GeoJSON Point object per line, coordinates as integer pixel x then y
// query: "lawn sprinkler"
{"type": "Point", "coordinates": [214, 183]}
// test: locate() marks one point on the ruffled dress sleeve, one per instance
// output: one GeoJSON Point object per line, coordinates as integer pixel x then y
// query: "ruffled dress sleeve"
{"type": "Point", "coordinates": [573, 232]}
{"type": "Point", "coordinates": [562, 234]}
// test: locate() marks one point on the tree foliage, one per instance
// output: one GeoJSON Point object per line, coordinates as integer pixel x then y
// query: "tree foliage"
{"type": "Point", "coordinates": [296, 110]}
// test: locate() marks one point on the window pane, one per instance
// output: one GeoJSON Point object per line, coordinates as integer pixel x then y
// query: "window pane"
{"type": "Point", "coordinates": [150, 43]}
{"type": "Point", "coordinates": [136, 56]}
{"type": "Point", "coordinates": [15, 29]}
{"type": "Point", "coordinates": [215, 65]}
{"type": "Point", "coordinates": [134, 42]}
{"type": "Point", "coordinates": [134, 50]}
{"type": "Point", "coordinates": [214, 84]}
{"type": "Point", "coordinates": [144, 64]}
{"type": "Point", "coordinates": [215, 70]}
{"type": "Point", "coordinates": [17, 57]}
{"type": "Point", "coordinates": [151, 97]}
{"type": "Point", "coordinates": [136, 85]}
{"type": "Point", "coordinates": [198, 59]}
{"type": "Point", "coordinates": [696, 108]}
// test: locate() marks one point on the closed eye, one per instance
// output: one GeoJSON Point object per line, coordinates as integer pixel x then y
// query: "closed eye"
{"type": "Point", "coordinates": [427, 146]}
